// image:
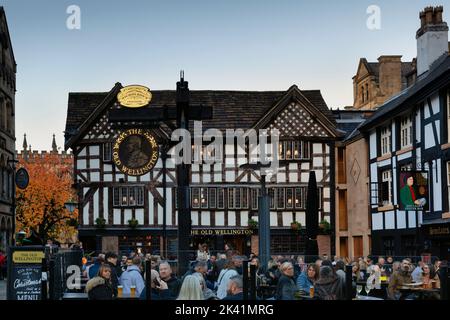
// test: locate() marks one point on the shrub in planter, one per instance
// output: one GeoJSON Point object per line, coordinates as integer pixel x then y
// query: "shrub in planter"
{"type": "Point", "coordinates": [100, 222]}
{"type": "Point", "coordinates": [296, 226]}
{"type": "Point", "coordinates": [325, 227]}
{"type": "Point", "coordinates": [252, 224]}
{"type": "Point", "coordinates": [133, 223]}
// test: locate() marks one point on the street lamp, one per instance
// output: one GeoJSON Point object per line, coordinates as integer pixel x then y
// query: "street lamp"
{"type": "Point", "coordinates": [71, 205]}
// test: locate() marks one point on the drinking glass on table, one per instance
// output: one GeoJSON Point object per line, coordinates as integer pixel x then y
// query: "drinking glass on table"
{"type": "Point", "coordinates": [119, 291]}
{"type": "Point", "coordinates": [359, 289]}
{"type": "Point", "coordinates": [368, 289]}
{"type": "Point", "coordinates": [133, 291]}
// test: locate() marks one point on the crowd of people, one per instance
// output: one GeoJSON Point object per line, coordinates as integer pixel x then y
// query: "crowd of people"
{"type": "Point", "coordinates": [220, 277]}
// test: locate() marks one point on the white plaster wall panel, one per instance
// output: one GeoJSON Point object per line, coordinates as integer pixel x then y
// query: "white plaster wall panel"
{"type": "Point", "coordinates": [94, 164]}
{"type": "Point", "coordinates": [426, 113]}
{"type": "Point", "coordinates": [139, 214]}
{"type": "Point", "coordinates": [301, 217]}
{"type": "Point", "coordinates": [305, 177]}
{"type": "Point", "coordinates": [319, 175]}
{"type": "Point", "coordinates": [230, 176]}
{"type": "Point", "coordinates": [404, 156]}
{"type": "Point", "coordinates": [411, 219]}
{"type": "Point", "coordinates": [151, 219]}
{"type": "Point", "coordinates": [317, 162]}
{"type": "Point", "coordinates": [117, 217]}
{"type": "Point", "coordinates": [96, 205]}
{"type": "Point", "coordinates": [317, 148]}
{"type": "Point", "coordinates": [429, 136]}
{"type": "Point", "coordinates": [107, 167]}
{"type": "Point", "coordinates": [86, 214]}
{"type": "Point", "coordinates": [418, 124]}
{"type": "Point", "coordinates": [273, 219]}
{"type": "Point", "coordinates": [389, 220]}
{"type": "Point", "coordinates": [305, 166]}
{"type": "Point", "coordinates": [81, 164]}
{"type": "Point", "coordinates": [293, 176]}
{"type": "Point", "coordinates": [107, 178]}
{"type": "Point", "coordinates": [127, 215]}
{"type": "Point", "coordinates": [169, 206]}
{"type": "Point", "coordinates": [146, 177]}
{"type": "Point", "coordinates": [393, 141]}
{"type": "Point", "coordinates": [244, 218]}
{"type": "Point", "coordinates": [220, 218]}
{"type": "Point", "coordinates": [437, 186]}
{"type": "Point", "coordinates": [95, 176]}
{"type": "Point", "coordinates": [194, 218]}
{"type": "Point", "coordinates": [132, 179]}
{"type": "Point", "coordinates": [373, 145]}
{"type": "Point", "coordinates": [231, 218]}
{"type": "Point", "coordinates": [292, 166]}
{"type": "Point", "coordinates": [326, 192]}
{"type": "Point", "coordinates": [82, 153]}
{"type": "Point", "coordinates": [94, 151]}
{"type": "Point", "coordinates": [401, 220]}
{"type": "Point", "coordinates": [105, 203]}
{"type": "Point", "coordinates": [195, 178]}
{"type": "Point", "coordinates": [281, 177]}
{"type": "Point", "coordinates": [206, 218]}
{"type": "Point", "coordinates": [384, 163]}
{"type": "Point", "coordinates": [287, 219]}
{"type": "Point", "coordinates": [377, 221]}
{"type": "Point", "coordinates": [218, 177]}
{"type": "Point", "coordinates": [327, 148]}
{"type": "Point", "coordinates": [435, 104]}
{"type": "Point", "coordinates": [326, 206]}
{"type": "Point", "coordinates": [206, 177]}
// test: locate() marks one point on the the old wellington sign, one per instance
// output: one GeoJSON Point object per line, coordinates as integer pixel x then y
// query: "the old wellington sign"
{"type": "Point", "coordinates": [135, 152]}
{"type": "Point", "coordinates": [134, 96]}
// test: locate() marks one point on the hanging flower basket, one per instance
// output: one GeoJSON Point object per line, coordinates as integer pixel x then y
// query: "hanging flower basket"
{"type": "Point", "coordinates": [325, 227]}
{"type": "Point", "coordinates": [133, 223]}
{"type": "Point", "coordinates": [296, 226]}
{"type": "Point", "coordinates": [252, 224]}
{"type": "Point", "coordinates": [100, 223]}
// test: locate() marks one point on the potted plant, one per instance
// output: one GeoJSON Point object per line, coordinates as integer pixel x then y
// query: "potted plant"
{"type": "Point", "coordinates": [296, 226]}
{"type": "Point", "coordinates": [325, 227]}
{"type": "Point", "coordinates": [133, 223]}
{"type": "Point", "coordinates": [100, 222]}
{"type": "Point", "coordinates": [252, 224]}
{"type": "Point", "coordinates": [72, 222]}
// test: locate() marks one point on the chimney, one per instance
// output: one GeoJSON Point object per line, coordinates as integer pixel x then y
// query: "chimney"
{"type": "Point", "coordinates": [390, 75]}
{"type": "Point", "coordinates": [432, 38]}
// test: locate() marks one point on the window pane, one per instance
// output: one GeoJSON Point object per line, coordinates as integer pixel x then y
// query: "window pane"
{"type": "Point", "coordinates": [272, 198]}
{"type": "Point", "coordinates": [124, 196]}
{"type": "Point", "coordinates": [297, 150]}
{"type": "Point", "coordinates": [220, 198]}
{"type": "Point", "coordinates": [230, 198]}
{"type": "Point", "coordinates": [204, 197]}
{"type": "Point", "coordinates": [280, 198]}
{"type": "Point", "coordinates": [244, 198]}
{"type": "Point", "coordinates": [107, 151]}
{"type": "Point", "coordinates": [116, 197]}
{"type": "Point", "coordinates": [131, 197]}
{"type": "Point", "coordinates": [289, 198]}
{"type": "Point", "coordinates": [195, 197]}
{"type": "Point", "coordinates": [289, 153]}
{"type": "Point", "coordinates": [140, 196]}
{"type": "Point", "coordinates": [237, 198]}
{"type": "Point", "coordinates": [212, 197]}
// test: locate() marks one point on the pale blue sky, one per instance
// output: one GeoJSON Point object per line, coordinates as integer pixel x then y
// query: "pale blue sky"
{"type": "Point", "coordinates": [233, 44]}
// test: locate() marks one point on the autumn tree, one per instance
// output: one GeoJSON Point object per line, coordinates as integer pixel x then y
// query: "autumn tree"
{"type": "Point", "coordinates": [41, 206]}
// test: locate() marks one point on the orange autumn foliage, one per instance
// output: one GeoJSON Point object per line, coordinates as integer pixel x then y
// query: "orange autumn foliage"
{"type": "Point", "coordinates": [41, 206]}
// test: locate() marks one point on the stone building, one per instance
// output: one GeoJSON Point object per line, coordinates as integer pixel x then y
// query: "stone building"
{"type": "Point", "coordinates": [7, 132]}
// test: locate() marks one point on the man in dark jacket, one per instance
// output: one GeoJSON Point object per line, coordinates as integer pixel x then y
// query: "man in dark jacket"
{"type": "Point", "coordinates": [173, 283]}
{"type": "Point", "coordinates": [111, 260]}
{"type": "Point", "coordinates": [159, 289]}
{"type": "Point", "coordinates": [235, 289]}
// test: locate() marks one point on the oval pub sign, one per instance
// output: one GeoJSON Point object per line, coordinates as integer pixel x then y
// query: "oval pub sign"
{"type": "Point", "coordinates": [134, 96]}
{"type": "Point", "coordinates": [135, 152]}
{"type": "Point", "coordinates": [22, 178]}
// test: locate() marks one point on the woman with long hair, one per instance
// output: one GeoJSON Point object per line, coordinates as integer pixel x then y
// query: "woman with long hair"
{"type": "Point", "coordinates": [191, 289]}
{"type": "Point", "coordinates": [307, 278]}
{"type": "Point", "coordinates": [100, 287]}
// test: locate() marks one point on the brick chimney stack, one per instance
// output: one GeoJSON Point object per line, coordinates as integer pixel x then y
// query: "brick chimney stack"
{"type": "Point", "coordinates": [432, 38]}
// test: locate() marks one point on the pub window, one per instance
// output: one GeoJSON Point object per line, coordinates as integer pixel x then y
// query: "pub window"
{"type": "Point", "coordinates": [195, 197]}
{"type": "Point", "coordinates": [244, 198]}
{"type": "Point", "coordinates": [139, 196]}
{"type": "Point", "coordinates": [131, 197]}
{"type": "Point", "coordinates": [385, 140]}
{"type": "Point", "coordinates": [204, 197]}
{"type": "Point", "coordinates": [272, 197]}
{"type": "Point", "coordinates": [220, 198]}
{"type": "Point", "coordinates": [406, 167]}
{"type": "Point", "coordinates": [212, 197]}
{"type": "Point", "coordinates": [300, 198]}
{"type": "Point", "coordinates": [406, 131]}
{"type": "Point", "coordinates": [237, 197]}
{"type": "Point", "coordinates": [116, 197]}
{"type": "Point", "coordinates": [389, 246]}
{"type": "Point", "coordinates": [281, 150]}
{"type": "Point", "coordinates": [255, 193]}
{"type": "Point", "coordinates": [409, 246]}
{"type": "Point", "coordinates": [123, 196]}
{"type": "Point", "coordinates": [297, 149]}
{"type": "Point", "coordinates": [289, 198]}
{"type": "Point", "coordinates": [107, 153]}
{"type": "Point", "coordinates": [386, 188]}
{"type": "Point", "coordinates": [289, 152]}
{"type": "Point", "coordinates": [230, 198]}
{"type": "Point", "coordinates": [280, 198]}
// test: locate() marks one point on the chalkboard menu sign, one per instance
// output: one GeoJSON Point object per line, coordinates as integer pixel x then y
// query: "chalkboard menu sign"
{"type": "Point", "coordinates": [25, 273]}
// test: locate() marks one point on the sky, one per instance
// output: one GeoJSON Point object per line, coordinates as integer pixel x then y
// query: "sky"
{"type": "Point", "coordinates": [221, 45]}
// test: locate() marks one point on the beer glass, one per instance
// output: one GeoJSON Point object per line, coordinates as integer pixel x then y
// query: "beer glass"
{"type": "Point", "coordinates": [132, 291]}
{"type": "Point", "coordinates": [119, 291]}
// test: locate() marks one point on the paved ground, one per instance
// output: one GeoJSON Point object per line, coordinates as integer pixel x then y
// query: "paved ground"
{"type": "Point", "coordinates": [2, 290]}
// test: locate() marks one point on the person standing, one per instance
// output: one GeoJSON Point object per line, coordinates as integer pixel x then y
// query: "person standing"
{"type": "Point", "coordinates": [191, 289]}
{"type": "Point", "coordinates": [328, 287]}
{"type": "Point", "coordinates": [173, 283]}
{"type": "Point", "coordinates": [100, 287]}
{"type": "Point", "coordinates": [286, 286]}
{"type": "Point", "coordinates": [132, 277]}
{"type": "Point", "coordinates": [225, 275]}
{"type": "Point", "coordinates": [235, 289]}
{"type": "Point", "coordinates": [111, 260]}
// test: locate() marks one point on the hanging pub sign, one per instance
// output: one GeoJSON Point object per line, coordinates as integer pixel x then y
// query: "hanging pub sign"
{"type": "Point", "coordinates": [134, 96]}
{"type": "Point", "coordinates": [135, 152]}
{"type": "Point", "coordinates": [413, 191]}
{"type": "Point", "coordinates": [25, 273]}
{"type": "Point", "coordinates": [22, 178]}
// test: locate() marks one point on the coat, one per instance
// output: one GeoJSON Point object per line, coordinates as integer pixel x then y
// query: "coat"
{"type": "Point", "coordinates": [286, 288]}
{"type": "Point", "coordinates": [237, 297]}
{"type": "Point", "coordinates": [132, 277]}
{"type": "Point", "coordinates": [114, 277]}
{"type": "Point", "coordinates": [303, 282]}
{"type": "Point", "coordinates": [329, 289]}
{"type": "Point", "coordinates": [98, 289]}
{"type": "Point", "coordinates": [156, 295]}
{"type": "Point", "coordinates": [174, 285]}
{"type": "Point", "coordinates": [223, 280]}
{"type": "Point", "coordinates": [398, 279]}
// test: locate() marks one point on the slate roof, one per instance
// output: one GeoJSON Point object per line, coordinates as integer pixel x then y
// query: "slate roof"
{"type": "Point", "coordinates": [231, 109]}
{"type": "Point", "coordinates": [394, 106]}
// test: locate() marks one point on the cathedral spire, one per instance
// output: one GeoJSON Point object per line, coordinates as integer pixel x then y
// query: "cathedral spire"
{"type": "Point", "coordinates": [54, 147]}
{"type": "Point", "coordinates": [24, 144]}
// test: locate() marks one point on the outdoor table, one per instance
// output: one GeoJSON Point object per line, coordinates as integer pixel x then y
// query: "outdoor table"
{"type": "Point", "coordinates": [368, 298]}
{"type": "Point", "coordinates": [405, 290]}
{"type": "Point", "coordinates": [75, 296]}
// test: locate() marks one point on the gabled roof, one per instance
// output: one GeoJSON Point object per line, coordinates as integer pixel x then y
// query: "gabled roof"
{"type": "Point", "coordinates": [436, 78]}
{"type": "Point", "coordinates": [231, 109]}
{"type": "Point", "coordinates": [3, 18]}
{"type": "Point", "coordinates": [373, 68]}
